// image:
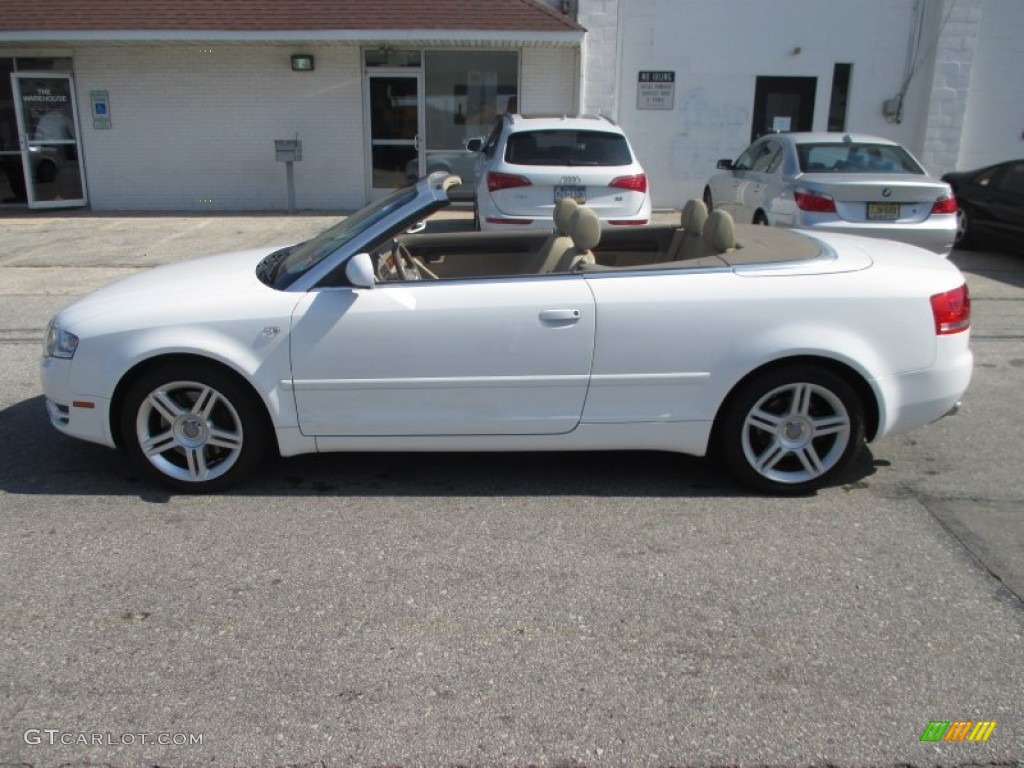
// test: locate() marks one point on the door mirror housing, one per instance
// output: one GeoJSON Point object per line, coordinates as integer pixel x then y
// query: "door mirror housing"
{"type": "Point", "coordinates": [359, 271]}
{"type": "Point", "coordinates": [725, 164]}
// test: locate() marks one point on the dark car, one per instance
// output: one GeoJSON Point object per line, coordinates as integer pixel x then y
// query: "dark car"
{"type": "Point", "coordinates": [991, 203]}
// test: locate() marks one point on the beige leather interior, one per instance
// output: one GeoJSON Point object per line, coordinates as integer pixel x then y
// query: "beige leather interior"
{"type": "Point", "coordinates": [559, 241]}
{"type": "Point", "coordinates": [687, 242]}
{"type": "Point", "coordinates": [585, 234]}
{"type": "Point", "coordinates": [720, 232]}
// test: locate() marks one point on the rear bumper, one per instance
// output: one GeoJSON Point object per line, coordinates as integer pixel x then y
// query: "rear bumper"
{"type": "Point", "coordinates": [935, 233]}
{"type": "Point", "coordinates": [493, 218]}
{"type": "Point", "coordinates": [921, 397]}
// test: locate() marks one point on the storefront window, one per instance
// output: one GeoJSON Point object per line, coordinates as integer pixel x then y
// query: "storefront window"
{"type": "Point", "coordinates": [465, 92]}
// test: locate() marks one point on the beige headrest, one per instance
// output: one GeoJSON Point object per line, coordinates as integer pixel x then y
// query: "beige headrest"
{"type": "Point", "coordinates": [585, 229]}
{"type": "Point", "coordinates": [719, 233]}
{"type": "Point", "coordinates": [564, 209]}
{"type": "Point", "coordinates": [694, 216]}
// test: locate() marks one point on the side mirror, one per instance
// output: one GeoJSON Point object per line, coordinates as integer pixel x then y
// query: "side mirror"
{"type": "Point", "coordinates": [359, 271]}
{"type": "Point", "coordinates": [474, 145]}
{"type": "Point", "coordinates": [725, 165]}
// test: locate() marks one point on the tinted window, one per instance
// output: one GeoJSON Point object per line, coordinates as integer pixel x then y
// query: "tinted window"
{"type": "Point", "coordinates": [768, 157]}
{"type": "Point", "coordinates": [856, 158]}
{"type": "Point", "coordinates": [567, 147]}
{"type": "Point", "coordinates": [746, 161]}
{"type": "Point", "coordinates": [1013, 180]}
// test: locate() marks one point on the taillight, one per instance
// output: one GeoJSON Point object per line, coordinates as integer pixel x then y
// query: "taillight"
{"type": "Point", "coordinates": [814, 202]}
{"type": "Point", "coordinates": [945, 205]}
{"type": "Point", "coordinates": [952, 311]}
{"type": "Point", "coordinates": [636, 183]}
{"type": "Point", "coordinates": [498, 181]}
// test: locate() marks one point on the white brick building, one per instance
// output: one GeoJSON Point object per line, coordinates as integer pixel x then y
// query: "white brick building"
{"type": "Point", "coordinates": [953, 67]}
{"type": "Point", "coordinates": [177, 106]}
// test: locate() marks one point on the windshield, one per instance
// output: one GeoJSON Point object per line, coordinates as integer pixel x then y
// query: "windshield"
{"type": "Point", "coordinates": [299, 259]}
{"type": "Point", "coordinates": [856, 158]}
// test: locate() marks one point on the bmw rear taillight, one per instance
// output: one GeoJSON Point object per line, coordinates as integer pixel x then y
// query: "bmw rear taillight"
{"type": "Point", "coordinates": [814, 202]}
{"type": "Point", "coordinates": [498, 181]}
{"type": "Point", "coordinates": [637, 183]}
{"type": "Point", "coordinates": [952, 311]}
{"type": "Point", "coordinates": [945, 205]}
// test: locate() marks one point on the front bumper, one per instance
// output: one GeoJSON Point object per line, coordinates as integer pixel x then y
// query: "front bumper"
{"type": "Point", "coordinates": [77, 414]}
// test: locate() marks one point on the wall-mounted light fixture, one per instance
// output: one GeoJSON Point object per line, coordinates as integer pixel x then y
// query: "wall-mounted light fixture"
{"type": "Point", "coordinates": [302, 62]}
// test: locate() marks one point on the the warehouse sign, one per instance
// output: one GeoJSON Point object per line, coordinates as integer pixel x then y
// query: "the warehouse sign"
{"type": "Point", "coordinates": [655, 90]}
{"type": "Point", "coordinates": [44, 95]}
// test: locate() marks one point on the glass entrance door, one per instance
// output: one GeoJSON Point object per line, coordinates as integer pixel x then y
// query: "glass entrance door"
{"type": "Point", "coordinates": [48, 136]}
{"type": "Point", "coordinates": [395, 115]}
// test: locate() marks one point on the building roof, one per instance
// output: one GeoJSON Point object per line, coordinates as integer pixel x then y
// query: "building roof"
{"type": "Point", "coordinates": [275, 16]}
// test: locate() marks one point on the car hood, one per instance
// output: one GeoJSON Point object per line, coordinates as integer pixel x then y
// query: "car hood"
{"type": "Point", "coordinates": [189, 290]}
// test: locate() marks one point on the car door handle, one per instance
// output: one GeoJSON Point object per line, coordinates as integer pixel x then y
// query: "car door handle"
{"type": "Point", "coordinates": [563, 316]}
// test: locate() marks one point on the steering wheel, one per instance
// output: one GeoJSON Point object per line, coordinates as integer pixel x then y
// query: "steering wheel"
{"type": "Point", "coordinates": [399, 254]}
{"type": "Point", "coordinates": [407, 265]}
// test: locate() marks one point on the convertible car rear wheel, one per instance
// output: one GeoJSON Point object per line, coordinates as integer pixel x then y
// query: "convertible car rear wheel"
{"type": "Point", "coordinates": [792, 430]}
{"type": "Point", "coordinates": [192, 427]}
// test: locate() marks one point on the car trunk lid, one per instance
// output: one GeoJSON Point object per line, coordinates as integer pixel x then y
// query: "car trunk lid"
{"type": "Point", "coordinates": [878, 198]}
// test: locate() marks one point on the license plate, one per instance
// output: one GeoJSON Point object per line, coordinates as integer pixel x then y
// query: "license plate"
{"type": "Point", "coordinates": [577, 193]}
{"type": "Point", "coordinates": [883, 211]}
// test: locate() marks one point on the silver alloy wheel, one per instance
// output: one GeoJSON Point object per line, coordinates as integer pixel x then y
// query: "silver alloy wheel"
{"type": "Point", "coordinates": [189, 431]}
{"type": "Point", "coordinates": [796, 432]}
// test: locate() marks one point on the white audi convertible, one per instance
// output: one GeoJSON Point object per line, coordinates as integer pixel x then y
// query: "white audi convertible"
{"type": "Point", "coordinates": [779, 351]}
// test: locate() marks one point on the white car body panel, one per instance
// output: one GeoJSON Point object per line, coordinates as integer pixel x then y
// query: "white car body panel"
{"type": "Point", "coordinates": [619, 359]}
{"type": "Point", "coordinates": [227, 318]}
{"type": "Point", "coordinates": [444, 358]}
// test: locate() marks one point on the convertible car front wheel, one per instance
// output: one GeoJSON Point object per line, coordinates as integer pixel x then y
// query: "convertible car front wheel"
{"type": "Point", "coordinates": [192, 427]}
{"type": "Point", "coordinates": [791, 430]}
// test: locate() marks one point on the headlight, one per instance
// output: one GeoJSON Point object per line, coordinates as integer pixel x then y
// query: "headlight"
{"type": "Point", "coordinates": [60, 343]}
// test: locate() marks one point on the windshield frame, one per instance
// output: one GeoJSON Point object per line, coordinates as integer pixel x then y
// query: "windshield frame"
{"type": "Point", "coordinates": [306, 256]}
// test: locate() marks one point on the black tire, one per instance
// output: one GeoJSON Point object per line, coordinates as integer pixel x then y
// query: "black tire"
{"type": "Point", "coordinates": [791, 430]}
{"type": "Point", "coordinates": [760, 219]}
{"type": "Point", "coordinates": [965, 238]}
{"type": "Point", "coordinates": [708, 202]}
{"type": "Point", "coordinates": [476, 217]}
{"type": "Point", "coordinates": [193, 427]}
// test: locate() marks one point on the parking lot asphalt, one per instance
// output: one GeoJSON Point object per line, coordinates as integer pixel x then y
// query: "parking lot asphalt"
{"type": "Point", "coordinates": [576, 610]}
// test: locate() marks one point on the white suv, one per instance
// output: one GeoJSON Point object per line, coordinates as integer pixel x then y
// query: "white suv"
{"type": "Point", "coordinates": [528, 164]}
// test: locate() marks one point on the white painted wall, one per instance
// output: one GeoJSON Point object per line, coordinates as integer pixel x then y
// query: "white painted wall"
{"type": "Point", "coordinates": [963, 106]}
{"type": "Point", "coordinates": [994, 123]}
{"type": "Point", "coordinates": [193, 127]}
{"type": "Point", "coordinates": [549, 80]}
